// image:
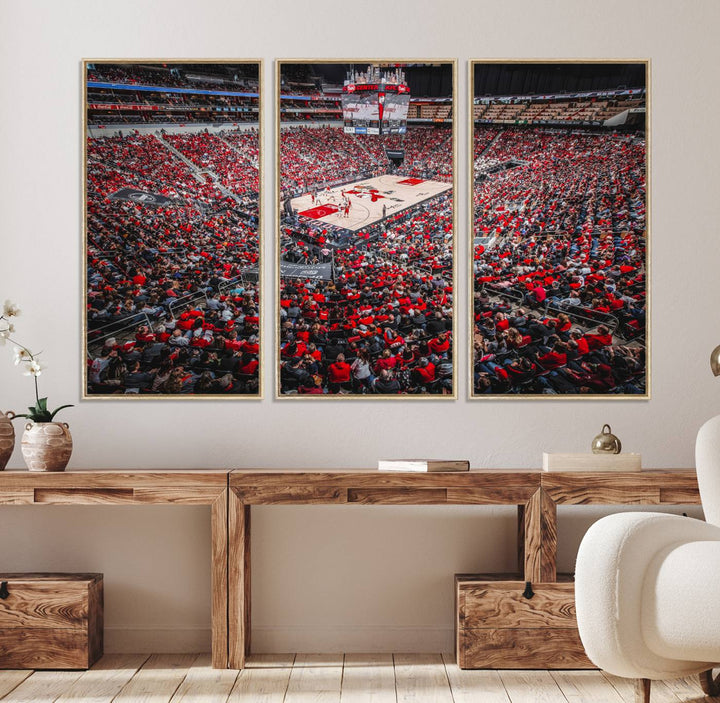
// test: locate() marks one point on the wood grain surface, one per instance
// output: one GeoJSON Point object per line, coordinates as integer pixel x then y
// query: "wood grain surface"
{"type": "Point", "coordinates": [204, 684]}
{"type": "Point", "coordinates": [43, 648]}
{"type": "Point", "coordinates": [9, 680]}
{"type": "Point", "coordinates": [107, 478]}
{"type": "Point", "coordinates": [316, 678]}
{"type": "Point", "coordinates": [502, 604]}
{"type": "Point", "coordinates": [158, 680]}
{"type": "Point", "coordinates": [522, 648]}
{"type": "Point", "coordinates": [371, 678]}
{"type": "Point", "coordinates": [580, 686]}
{"type": "Point", "coordinates": [539, 537]}
{"type": "Point", "coordinates": [238, 581]}
{"type": "Point", "coordinates": [532, 687]}
{"type": "Point", "coordinates": [230, 493]}
{"type": "Point", "coordinates": [391, 496]}
{"type": "Point", "coordinates": [474, 686]}
{"type": "Point", "coordinates": [264, 679]}
{"type": "Point", "coordinates": [46, 603]}
{"type": "Point", "coordinates": [122, 487]}
{"type": "Point", "coordinates": [653, 487]}
{"type": "Point", "coordinates": [41, 686]}
{"type": "Point", "coordinates": [219, 580]}
{"type": "Point", "coordinates": [368, 678]}
{"type": "Point", "coordinates": [105, 680]}
{"type": "Point", "coordinates": [51, 621]}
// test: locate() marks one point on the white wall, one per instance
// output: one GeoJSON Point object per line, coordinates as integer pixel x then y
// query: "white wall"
{"type": "Point", "coordinates": [367, 577]}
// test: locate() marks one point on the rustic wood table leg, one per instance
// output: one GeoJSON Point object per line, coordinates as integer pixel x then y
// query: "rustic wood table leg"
{"type": "Point", "coordinates": [238, 581]}
{"type": "Point", "coordinates": [219, 615]}
{"type": "Point", "coordinates": [537, 538]}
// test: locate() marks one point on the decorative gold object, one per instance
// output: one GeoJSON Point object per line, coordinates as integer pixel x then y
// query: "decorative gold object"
{"type": "Point", "coordinates": [606, 442]}
{"type": "Point", "coordinates": [7, 437]}
{"type": "Point", "coordinates": [47, 446]}
{"type": "Point", "coordinates": [715, 361]}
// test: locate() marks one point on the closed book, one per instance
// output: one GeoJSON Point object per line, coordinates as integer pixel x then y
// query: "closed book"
{"type": "Point", "coordinates": [421, 465]}
{"type": "Point", "coordinates": [592, 462]}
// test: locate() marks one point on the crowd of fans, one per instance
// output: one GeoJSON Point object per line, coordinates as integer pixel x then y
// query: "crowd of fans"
{"type": "Point", "coordinates": [124, 104]}
{"type": "Point", "coordinates": [562, 181]}
{"type": "Point", "coordinates": [384, 324]}
{"type": "Point", "coordinates": [311, 157]}
{"type": "Point", "coordinates": [170, 307]}
{"type": "Point", "coordinates": [115, 117]}
{"type": "Point", "coordinates": [560, 290]}
{"type": "Point", "coordinates": [107, 106]}
{"type": "Point", "coordinates": [176, 76]}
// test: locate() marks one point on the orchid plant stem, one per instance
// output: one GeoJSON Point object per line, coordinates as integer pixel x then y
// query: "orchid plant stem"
{"type": "Point", "coordinates": [32, 358]}
{"type": "Point", "coordinates": [40, 411]}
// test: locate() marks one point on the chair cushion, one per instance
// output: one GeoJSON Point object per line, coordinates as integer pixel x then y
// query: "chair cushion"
{"type": "Point", "coordinates": [681, 602]}
{"type": "Point", "coordinates": [707, 459]}
{"type": "Point", "coordinates": [612, 565]}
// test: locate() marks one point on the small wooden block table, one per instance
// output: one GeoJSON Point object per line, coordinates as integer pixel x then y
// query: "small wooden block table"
{"type": "Point", "coordinates": [50, 621]}
{"type": "Point", "coordinates": [537, 495]}
{"type": "Point", "coordinates": [199, 487]}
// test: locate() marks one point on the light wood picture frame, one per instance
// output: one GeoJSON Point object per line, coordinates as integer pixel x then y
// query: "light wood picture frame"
{"type": "Point", "coordinates": [172, 171]}
{"type": "Point", "coordinates": [559, 259]}
{"type": "Point", "coordinates": [366, 229]}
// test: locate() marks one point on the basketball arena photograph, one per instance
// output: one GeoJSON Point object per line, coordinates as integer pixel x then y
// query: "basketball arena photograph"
{"type": "Point", "coordinates": [366, 229]}
{"type": "Point", "coordinates": [172, 223]}
{"type": "Point", "coordinates": [559, 226]}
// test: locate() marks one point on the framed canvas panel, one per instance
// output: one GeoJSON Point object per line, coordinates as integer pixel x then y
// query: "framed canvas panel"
{"type": "Point", "coordinates": [559, 263]}
{"type": "Point", "coordinates": [366, 229]}
{"type": "Point", "coordinates": [172, 224]}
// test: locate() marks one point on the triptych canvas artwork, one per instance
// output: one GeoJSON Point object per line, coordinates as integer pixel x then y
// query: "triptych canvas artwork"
{"type": "Point", "coordinates": [366, 255]}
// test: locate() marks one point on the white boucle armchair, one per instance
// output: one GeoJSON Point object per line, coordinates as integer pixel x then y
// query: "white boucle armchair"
{"type": "Point", "coordinates": [647, 586]}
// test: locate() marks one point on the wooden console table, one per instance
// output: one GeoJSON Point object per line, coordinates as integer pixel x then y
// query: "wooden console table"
{"type": "Point", "coordinates": [231, 495]}
{"type": "Point", "coordinates": [201, 487]}
{"type": "Point", "coordinates": [537, 495]}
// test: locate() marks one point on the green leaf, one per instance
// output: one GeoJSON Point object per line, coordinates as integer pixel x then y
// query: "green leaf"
{"type": "Point", "coordinates": [42, 404]}
{"type": "Point", "coordinates": [57, 410]}
{"type": "Point", "coordinates": [33, 409]}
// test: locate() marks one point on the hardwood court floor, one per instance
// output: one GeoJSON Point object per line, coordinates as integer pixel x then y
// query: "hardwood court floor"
{"type": "Point", "coordinates": [321, 678]}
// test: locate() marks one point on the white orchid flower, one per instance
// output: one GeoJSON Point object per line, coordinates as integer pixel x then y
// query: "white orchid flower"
{"type": "Point", "coordinates": [4, 336]}
{"type": "Point", "coordinates": [10, 309]}
{"type": "Point", "coordinates": [21, 355]}
{"type": "Point", "coordinates": [33, 368]}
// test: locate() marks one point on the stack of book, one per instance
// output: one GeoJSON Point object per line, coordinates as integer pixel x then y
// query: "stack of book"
{"type": "Point", "coordinates": [422, 465]}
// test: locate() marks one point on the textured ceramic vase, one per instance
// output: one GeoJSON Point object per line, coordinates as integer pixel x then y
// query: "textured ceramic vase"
{"type": "Point", "coordinates": [46, 446]}
{"type": "Point", "coordinates": [7, 437]}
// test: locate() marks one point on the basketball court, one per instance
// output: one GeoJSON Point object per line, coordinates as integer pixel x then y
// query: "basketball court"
{"type": "Point", "coordinates": [370, 200]}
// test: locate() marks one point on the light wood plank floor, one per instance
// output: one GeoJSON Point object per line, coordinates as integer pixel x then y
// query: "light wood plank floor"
{"type": "Point", "coordinates": [323, 678]}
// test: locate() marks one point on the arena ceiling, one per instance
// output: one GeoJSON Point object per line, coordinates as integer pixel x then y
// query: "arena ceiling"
{"type": "Point", "coordinates": [425, 80]}
{"type": "Point", "coordinates": [543, 78]}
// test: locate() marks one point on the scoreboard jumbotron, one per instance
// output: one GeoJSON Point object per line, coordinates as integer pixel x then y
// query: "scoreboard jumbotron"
{"type": "Point", "coordinates": [375, 101]}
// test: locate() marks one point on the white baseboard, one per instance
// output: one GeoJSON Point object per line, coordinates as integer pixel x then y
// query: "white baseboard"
{"type": "Point", "coordinates": [274, 640]}
{"type": "Point", "coordinates": [352, 638]}
{"type": "Point", "coordinates": [149, 640]}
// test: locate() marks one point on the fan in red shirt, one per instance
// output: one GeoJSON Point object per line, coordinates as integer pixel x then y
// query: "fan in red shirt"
{"type": "Point", "coordinates": [339, 374]}
{"type": "Point", "coordinates": [602, 338]}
